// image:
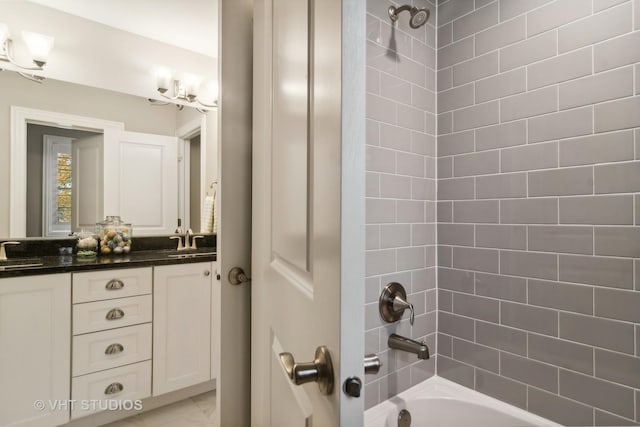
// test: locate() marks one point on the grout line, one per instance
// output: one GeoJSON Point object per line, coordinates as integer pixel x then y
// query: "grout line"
{"type": "Point", "coordinates": [499, 49]}
{"type": "Point", "coordinates": [541, 389]}
{"type": "Point", "coordinates": [523, 171]}
{"type": "Point", "coordinates": [635, 79]}
{"type": "Point", "coordinates": [634, 210]}
{"type": "Point", "coordinates": [526, 237]}
{"type": "Point", "coordinates": [592, 348]}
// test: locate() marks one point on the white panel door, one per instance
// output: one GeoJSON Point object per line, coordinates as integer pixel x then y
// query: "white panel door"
{"type": "Point", "coordinates": [308, 222]}
{"type": "Point", "coordinates": [181, 326]}
{"type": "Point", "coordinates": [141, 180]}
{"type": "Point", "coordinates": [87, 174]}
{"type": "Point", "coordinates": [35, 350]}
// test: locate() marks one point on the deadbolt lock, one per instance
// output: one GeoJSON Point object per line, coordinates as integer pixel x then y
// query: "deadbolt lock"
{"type": "Point", "coordinates": [352, 386]}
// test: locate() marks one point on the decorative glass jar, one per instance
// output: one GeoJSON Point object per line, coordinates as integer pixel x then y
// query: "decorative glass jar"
{"type": "Point", "coordinates": [87, 244]}
{"type": "Point", "coordinates": [115, 236]}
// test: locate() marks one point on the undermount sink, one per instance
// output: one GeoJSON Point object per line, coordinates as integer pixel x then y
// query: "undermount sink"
{"type": "Point", "coordinates": [20, 263]}
{"type": "Point", "coordinates": [186, 254]}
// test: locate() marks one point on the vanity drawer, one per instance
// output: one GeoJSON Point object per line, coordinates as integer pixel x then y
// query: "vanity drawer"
{"type": "Point", "coordinates": [109, 314]}
{"type": "Point", "coordinates": [108, 284]}
{"type": "Point", "coordinates": [109, 349]}
{"type": "Point", "coordinates": [133, 381]}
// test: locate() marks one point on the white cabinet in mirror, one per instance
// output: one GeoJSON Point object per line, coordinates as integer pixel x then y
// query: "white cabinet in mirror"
{"type": "Point", "coordinates": [79, 153]}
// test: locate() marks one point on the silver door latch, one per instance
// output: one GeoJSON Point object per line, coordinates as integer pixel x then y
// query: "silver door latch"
{"type": "Point", "coordinates": [237, 276]}
{"type": "Point", "coordinates": [319, 371]}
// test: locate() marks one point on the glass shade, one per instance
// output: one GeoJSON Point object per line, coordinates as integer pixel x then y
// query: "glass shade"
{"type": "Point", "coordinates": [209, 93]}
{"type": "Point", "coordinates": [39, 46]}
{"type": "Point", "coordinates": [163, 77]}
{"type": "Point", "coordinates": [4, 34]}
{"type": "Point", "coordinates": [191, 84]}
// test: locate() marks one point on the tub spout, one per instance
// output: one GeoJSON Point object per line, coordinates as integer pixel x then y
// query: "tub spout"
{"type": "Point", "coordinates": [405, 344]}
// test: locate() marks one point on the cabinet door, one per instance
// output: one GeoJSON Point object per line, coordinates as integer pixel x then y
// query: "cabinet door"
{"type": "Point", "coordinates": [35, 343]}
{"type": "Point", "coordinates": [181, 326]}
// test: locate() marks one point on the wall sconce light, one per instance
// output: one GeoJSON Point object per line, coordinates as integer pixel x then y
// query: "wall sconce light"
{"type": "Point", "coordinates": [38, 45]}
{"type": "Point", "coordinates": [189, 89]}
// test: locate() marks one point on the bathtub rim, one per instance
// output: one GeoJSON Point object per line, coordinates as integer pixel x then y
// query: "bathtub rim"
{"type": "Point", "coordinates": [442, 388]}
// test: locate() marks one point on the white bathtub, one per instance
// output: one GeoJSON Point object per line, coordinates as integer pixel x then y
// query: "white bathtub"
{"type": "Point", "coordinates": [438, 402]}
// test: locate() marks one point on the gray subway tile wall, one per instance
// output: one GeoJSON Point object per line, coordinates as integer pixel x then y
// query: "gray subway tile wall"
{"type": "Point", "coordinates": [539, 254]}
{"type": "Point", "coordinates": [608, 419]}
{"type": "Point", "coordinates": [565, 411]}
{"type": "Point", "coordinates": [536, 109]}
{"type": "Point", "coordinates": [401, 187]}
{"type": "Point", "coordinates": [529, 371]}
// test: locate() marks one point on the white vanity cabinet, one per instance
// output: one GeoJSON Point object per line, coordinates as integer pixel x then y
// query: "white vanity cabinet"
{"type": "Point", "coordinates": [35, 333]}
{"type": "Point", "coordinates": [182, 325]}
{"type": "Point", "coordinates": [112, 332]}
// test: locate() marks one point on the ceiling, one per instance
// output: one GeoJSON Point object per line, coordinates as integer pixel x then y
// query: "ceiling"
{"type": "Point", "coordinates": [188, 24]}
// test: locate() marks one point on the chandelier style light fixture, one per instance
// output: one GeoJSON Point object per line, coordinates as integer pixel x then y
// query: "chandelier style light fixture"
{"type": "Point", "coordinates": [39, 46]}
{"type": "Point", "coordinates": [189, 88]}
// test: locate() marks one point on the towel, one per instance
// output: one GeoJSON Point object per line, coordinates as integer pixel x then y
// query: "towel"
{"type": "Point", "coordinates": [216, 220]}
{"type": "Point", "coordinates": [208, 219]}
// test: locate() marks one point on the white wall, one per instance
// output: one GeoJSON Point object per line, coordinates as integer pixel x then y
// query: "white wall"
{"type": "Point", "coordinates": [96, 55]}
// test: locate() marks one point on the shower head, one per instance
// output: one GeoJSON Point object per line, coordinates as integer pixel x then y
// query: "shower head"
{"type": "Point", "coordinates": [418, 16]}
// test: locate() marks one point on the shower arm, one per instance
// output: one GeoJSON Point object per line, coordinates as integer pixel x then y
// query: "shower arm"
{"type": "Point", "coordinates": [395, 11]}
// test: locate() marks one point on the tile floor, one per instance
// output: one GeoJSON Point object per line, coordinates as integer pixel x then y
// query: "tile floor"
{"type": "Point", "coordinates": [198, 411]}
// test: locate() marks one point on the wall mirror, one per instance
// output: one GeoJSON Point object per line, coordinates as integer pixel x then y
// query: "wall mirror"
{"type": "Point", "coordinates": [74, 151]}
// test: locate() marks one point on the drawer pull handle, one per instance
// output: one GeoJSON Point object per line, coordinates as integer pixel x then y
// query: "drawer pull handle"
{"type": "Point", "coordinates": [114, 285]}
{"type": "Point", "coordinates": [115, 314]}
{"type": "Point", "coordinates": [113, 388]}
{"type": "Point", "coordinates": [114, 349]}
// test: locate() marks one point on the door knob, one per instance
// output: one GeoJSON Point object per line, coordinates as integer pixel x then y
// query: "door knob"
{"type": "Point", "coordinates": [237, 276]}
{"type": "Point", "coordinates": [319, 371]}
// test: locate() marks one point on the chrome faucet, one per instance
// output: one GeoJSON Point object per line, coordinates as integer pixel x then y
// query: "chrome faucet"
{"type": "Point", "coordinates": [178, 237]}
{"type": "Point", "coordinates": [398, 342]}
{"type": "Point", "coordinates": [3, 252]}
{"type": "Point", "coordinates": [189, 239]}
{"type": "Point", "coordinates": [182, 237]}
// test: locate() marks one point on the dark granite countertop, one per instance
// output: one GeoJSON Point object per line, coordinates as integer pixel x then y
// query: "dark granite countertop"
{"type": "Point", "coordinates": [73, 263]}
{"type": "Point", "coordinates": [58, 255]}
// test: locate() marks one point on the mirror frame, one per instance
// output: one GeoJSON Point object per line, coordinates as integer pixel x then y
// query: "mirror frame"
{"type": "Point", "coordinates": [20, 117]}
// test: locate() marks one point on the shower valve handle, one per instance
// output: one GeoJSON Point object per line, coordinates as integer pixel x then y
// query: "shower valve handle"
{"type": "Point", "coordinates": [393, 302]}
{"type": "Point", "coordinates": [399, 304]}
